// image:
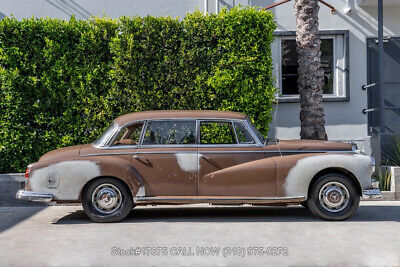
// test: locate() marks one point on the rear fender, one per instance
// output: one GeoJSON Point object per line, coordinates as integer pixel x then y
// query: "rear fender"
{"type": "Point", "coordinates": [66, 179]}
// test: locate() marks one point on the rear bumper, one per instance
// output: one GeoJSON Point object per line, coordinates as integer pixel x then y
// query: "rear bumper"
{"type": "Point", "coordinates": [372, 193]}
{"type": "Point", "coordinates": [34, 196]}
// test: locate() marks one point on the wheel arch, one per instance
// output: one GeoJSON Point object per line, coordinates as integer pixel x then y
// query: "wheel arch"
{"type": "Point", "coordinates": [339, 170]}
{"type": "Point", "coordinates": [124, 183]}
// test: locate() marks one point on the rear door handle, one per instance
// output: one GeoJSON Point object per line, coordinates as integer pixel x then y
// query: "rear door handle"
{"type": "Point", "coordinates": [209, 160]}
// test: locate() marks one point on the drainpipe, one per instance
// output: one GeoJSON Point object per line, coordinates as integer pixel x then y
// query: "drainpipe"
{"type": "Point", "coordinates": [380, 68]}
{"type": "Point", "coordinates": [205, 7]}
{"type": "Point", "coordinates": [216, 6]}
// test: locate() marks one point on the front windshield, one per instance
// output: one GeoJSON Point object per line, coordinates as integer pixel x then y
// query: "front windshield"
{"type": "Point", "coordinates": [256, 131]}
{"type": "Point", "coordinates": [105, 136]}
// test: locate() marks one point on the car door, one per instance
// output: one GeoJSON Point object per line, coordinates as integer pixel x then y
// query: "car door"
{"type": "Point", "coordinates": [166, 158]}
{"type": "Point", "coordinates": [232, 161]}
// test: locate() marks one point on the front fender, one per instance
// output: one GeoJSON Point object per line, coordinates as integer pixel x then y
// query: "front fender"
{"type": "Point", "coordinates": [295, 172]}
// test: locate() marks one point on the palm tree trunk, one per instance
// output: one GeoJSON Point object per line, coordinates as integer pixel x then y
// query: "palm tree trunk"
{"type": "Point", "coordinates": [311, 74]}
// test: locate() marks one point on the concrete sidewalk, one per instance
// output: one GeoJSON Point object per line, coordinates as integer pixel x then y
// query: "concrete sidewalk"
{"type": "Point", "coordinates": [57, 235]}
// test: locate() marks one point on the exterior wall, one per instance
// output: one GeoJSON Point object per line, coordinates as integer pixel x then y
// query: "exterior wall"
{"type": "Point", "coordinates": [84, 9]}
{"type": "Point", "coordinates": [344, 119]}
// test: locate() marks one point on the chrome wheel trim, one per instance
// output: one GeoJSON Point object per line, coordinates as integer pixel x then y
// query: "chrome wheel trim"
{"type": "Point", "coordinates": [106, 198]}
{"type": "Point", "coordinates": [334, 196]}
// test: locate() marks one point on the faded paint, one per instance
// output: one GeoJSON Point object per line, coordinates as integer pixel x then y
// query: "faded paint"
{"type": "Point", "coordinates": [299, 177]}
{"type": "Point", "coordinates": [73, 175]}
{"type": "Point", "coordinates": [187, 161]}
{"type": "Point", "coordinates": [141, 192]}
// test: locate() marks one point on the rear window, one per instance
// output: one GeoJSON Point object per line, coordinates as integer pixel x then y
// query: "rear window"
{"type": "Point", "coordinates": [170, 133]}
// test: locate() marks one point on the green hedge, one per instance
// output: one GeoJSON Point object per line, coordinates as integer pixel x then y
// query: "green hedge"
{"type": "Point", "coordinates": [62, 82]}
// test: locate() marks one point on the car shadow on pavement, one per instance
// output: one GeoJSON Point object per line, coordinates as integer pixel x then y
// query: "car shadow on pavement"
{"type": "Point", "coordinates": [236, 214]}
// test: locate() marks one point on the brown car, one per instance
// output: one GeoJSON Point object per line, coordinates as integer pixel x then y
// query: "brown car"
{"type": "Point", "coordinates": [182, 157]}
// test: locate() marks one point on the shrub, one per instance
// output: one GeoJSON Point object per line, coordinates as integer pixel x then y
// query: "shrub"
{"type": "Point", "coordinates": [391, 151]}
{"type": "Point", "coordinates": [383, 176]}
{"type": "Point", "coordinates": [62, 82]}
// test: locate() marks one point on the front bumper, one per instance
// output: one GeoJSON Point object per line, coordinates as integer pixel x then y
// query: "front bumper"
{"type": "Point", "coordinates": [372, 193]}
{"type": "Point", "coordinates": [34, 196]}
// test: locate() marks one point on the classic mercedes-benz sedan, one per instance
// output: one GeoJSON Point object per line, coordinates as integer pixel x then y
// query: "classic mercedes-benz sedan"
{"type": "Point", "coordinates": [186, 157]}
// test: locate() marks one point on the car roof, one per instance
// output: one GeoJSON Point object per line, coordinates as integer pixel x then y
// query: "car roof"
{"type": "Point", "coordinates": [171, 114]}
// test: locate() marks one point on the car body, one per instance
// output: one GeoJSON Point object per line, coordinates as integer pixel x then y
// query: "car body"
{"type": "Point", "coordinates": [186, 157]}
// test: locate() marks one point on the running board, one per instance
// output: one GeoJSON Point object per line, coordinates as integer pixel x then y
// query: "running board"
{"type": "Point", "coordinates": [216, 200]}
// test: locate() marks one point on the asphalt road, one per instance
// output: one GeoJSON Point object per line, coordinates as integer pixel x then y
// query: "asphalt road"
{"type": "Point", "coordinates": [200, 235]}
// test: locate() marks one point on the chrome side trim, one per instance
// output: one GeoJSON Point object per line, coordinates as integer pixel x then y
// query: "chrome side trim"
{"type": "Point", "coordinates": [215, 152]}
{"type": "Point", "coordinates": [226, 200]}
{"type": "Point", "coordinates": [229, 152]}
{"type": "Point", "coordinates": [144, 152]}
{"type": "Point", "coordinates": [107, 154]}
{"type": "Point", "coordinates": [34, 196]}
{"type": "Point", "coordinates": [311, 151]}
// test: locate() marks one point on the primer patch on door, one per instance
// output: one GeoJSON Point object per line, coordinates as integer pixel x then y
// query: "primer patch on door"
{"type": "Point", "coordinates": [187, 161]}
{"type": "Point", "coordinates": [71, 176]}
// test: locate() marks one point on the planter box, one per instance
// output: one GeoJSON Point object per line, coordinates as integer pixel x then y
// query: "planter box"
{"type": "Point", "coordinates": [394, 193]}
{"type": "Point", "coordinates": [395, 186]}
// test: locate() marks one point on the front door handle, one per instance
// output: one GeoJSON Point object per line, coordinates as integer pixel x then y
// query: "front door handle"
{"type": "Point", "coordinates": [145, 161]}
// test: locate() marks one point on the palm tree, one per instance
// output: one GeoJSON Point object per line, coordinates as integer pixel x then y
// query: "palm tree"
{"type": "Point", "coordinates": [311, 74]}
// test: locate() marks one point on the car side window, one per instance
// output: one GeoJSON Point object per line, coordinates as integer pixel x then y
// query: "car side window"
{"type": "Point", "coordinates": [129, 135]}
{"type": "Point", "coordinates": [170, 133]}
{"type": "Point", "coordinates": [243, 134]}
{"type": "Point", "coordinates": [217, 132]}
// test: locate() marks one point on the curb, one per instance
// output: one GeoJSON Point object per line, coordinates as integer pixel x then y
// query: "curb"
{"type": "Point", "coordinates": [386, 196]}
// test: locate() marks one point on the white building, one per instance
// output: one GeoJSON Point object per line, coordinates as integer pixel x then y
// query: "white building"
{"type": "Point", "coordinates": [349, 53]}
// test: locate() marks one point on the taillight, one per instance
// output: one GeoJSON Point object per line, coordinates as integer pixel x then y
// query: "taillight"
{"type": "Point", "coordinates": [27, 173]}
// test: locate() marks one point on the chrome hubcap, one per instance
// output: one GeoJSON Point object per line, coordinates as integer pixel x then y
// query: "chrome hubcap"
{"type": "Point", "coordinates": [106, 198]}
{"type": "Point", "coordinates": [334, 196]}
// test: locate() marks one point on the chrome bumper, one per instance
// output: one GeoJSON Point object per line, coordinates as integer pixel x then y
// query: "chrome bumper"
{"type": "Point", "coordinates": [34, 196]}
{"type": "Point", "coordinates": [372, 193]}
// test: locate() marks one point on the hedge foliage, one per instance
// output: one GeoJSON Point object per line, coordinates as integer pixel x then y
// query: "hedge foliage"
{"type": "Point", "coordinates": [62, 82]}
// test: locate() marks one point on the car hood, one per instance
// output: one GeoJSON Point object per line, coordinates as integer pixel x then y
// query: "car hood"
{"type": "Point", "coordinates": [61, 153]}
{"type": "Point", "coordinates": [310, 145]}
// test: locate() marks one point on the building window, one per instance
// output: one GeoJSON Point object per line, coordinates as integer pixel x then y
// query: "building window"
{"type": "Point", "coordinates": [333, 62]}
{"type": "Point", "coordinates": [290, 66]}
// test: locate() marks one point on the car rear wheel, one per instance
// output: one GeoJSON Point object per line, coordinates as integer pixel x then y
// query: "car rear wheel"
{"type": "Point", "coordinates": [333, 197]}
{"type": "Point", "coordinates": [107, 200]}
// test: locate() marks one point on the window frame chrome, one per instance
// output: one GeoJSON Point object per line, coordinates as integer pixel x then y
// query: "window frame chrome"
{"type": "Point", "coordinates": [170, 145]}
{"type": "Point", "coordinates": [257, 142]}
{"type": "Point", "coordinates": [247, 128]}
{"type": "Point", "coordinates": [197, 120]}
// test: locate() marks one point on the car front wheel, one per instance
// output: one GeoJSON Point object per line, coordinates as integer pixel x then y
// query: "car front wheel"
{"type": "Point", "coordinates": [107, 200]}
{"type": "Point", "coordinates": [333, 197]}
